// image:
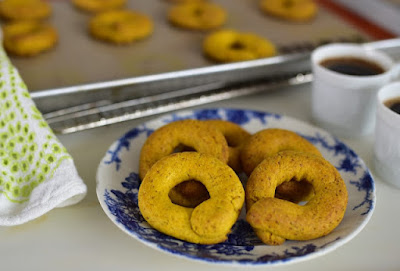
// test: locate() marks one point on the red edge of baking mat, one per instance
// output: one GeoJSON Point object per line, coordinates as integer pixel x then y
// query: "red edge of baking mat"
{"type": "Point", "coordinates": [361, 23]}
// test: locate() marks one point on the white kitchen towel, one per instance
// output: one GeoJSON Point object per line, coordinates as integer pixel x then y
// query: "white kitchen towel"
{"type": "Point", "coordinates": [36, 172]}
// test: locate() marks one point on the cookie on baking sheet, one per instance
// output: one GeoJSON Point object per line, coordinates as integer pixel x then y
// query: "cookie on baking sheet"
{"type": "Point", "coordinates": [24, 9]}
{"type": "Point", "coordinates": [197, 15]}
{"type": "Point", "coordinates": [230, 46]}
{"type": "Point", "coordinates": [98, 5]}
{"type": "Point", "coordinates": [293, 10]}
{"type": "Point", "coordinates": [28, 38]}
{"type": "Point", "coordinates": [120, 26]}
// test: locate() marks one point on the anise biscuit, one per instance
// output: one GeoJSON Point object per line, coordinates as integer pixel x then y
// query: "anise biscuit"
{"type": "Point", "coordinates": [275, 220]}
{"type": "Point", "coordinates": [183, 136]}
{"type": "Point", "coordinates": [231, 46]}
{"type": "Point", "coordinates": [24, 9]}
{"type": "Point", "coordinates": [197, 15]}
{"type": "Point", "coordinates": [269, 142]}
{"type": "Point", "coordinates": [98, 5]}
{"type": "Point", "coordinates": [120, 26]}
{"type": "Point", "coordinates": [208, 223]}
{"type": "Point", "coordinates": [28, 38]}
{"type": "Point", "coordinates": [293, 10]}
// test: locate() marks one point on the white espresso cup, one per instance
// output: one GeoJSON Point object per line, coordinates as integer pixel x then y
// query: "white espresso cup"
{"type": "Point", "coordinates": [345, 104]}
{"type": "Point", "coordinates": [387, 135]}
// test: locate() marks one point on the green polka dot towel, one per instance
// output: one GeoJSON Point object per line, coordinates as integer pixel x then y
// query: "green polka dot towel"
{"type": "Point", "coordinates": [36, 172]}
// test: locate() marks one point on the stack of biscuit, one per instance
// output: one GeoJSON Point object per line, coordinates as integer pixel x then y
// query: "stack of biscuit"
{"type": "Point", "coordinates": [181, 165]}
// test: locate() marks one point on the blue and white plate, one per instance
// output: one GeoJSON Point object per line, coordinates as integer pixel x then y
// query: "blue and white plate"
{"type": "Point", "coordinates": [118, 184]}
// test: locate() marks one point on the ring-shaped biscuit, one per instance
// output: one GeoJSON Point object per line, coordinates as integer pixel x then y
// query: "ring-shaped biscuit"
{"type": "Point", "coordinates": [208, 223]}
{"type": "Point", "coordinates": [197, 15]}
{"type": "Point", "coordinates": [192, 193]}
{"type": "Point", "coordinates": [120, 26]}
{"type": "Point", "coordinates": [193, 134]}
{"type": "Point", "coordinates": [269, 142]}
{"type": "Point", "coordinates": [183, 135]}
{"type": "Point", "coordinates": [98, 5]}
{"type": "Point", "coordinates": [231, 46]}
{"type": "Point", "coordinates": [28, 38]}
{"type": "Point", "coordinates": [293, 10]}
{"type": "Point", "coordinates": [24, 9]}
{"type": "Point", "coordinates": [235, 136]}
{"type": "Point", "coordinates": [275, 220]}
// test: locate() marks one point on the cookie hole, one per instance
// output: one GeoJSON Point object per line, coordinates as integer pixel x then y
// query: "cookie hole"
{"type": "Point", "coordinates": [237, 46]}
{"type": "Point", "coordinates": [288, 4]}
{"type": "Point", "coordinates": [183, 148]}
{"type": "Point", "coordinates": [189, 193]}
{"type": "Point", "coordinates": [115, 25]}
{"type": "Point", "coordinates": [232, 142]}
{"type": "Point", "coordinates": [198, 12]}
{"type": "Point", "coordinates": [295, 191]}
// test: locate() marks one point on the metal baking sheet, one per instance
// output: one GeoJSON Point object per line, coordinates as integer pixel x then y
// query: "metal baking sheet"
{"type": "Point", "coordinates": [107, 110]}
{"type": "Point", "coordinates": [79, 60]}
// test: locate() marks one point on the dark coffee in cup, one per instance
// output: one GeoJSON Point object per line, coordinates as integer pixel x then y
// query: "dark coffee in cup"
{"type": "Point", "coordinates": [393, 104]}
{"type": "Point", "coordinates": [352, 66]}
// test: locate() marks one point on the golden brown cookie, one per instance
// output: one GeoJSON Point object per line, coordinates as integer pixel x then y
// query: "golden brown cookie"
{"type": "Point", "coordinates": [96, 6]}
{"type": "Point", "coordinates": [275, 220]}
{"type": "Point", "coordinates": [24, 9]}
{"type": "Point", "coordinates": [208, 223]}
{"type": "Point", "coordinates": [183, 136]}
{"type": "Point", "coordinates": [197, 15]}
{"type": "Point", "coordinates": [269, 142]}
{"type": "Point", "coordinates": [293, 10]}
{"type": "Point", "coordinates": [120, 26]}
{"type": "Point", "coordinates": [235, 136]}
{"type": "Point", "coordinates": [231, 46]}
{"type": "Point", "coordinates": [192, 193]}
{"type": "Point", "coordinates": [28, 38]}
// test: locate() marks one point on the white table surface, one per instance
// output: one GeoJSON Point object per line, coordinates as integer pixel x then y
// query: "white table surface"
{"type": "Point", "coordinates": [81, 237]}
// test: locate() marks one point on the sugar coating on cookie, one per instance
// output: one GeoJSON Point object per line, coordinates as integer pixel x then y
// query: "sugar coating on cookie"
{"type": "Point", "coordinates": [230, 46]}
{"type": "Point", "coordinates": [120, 26]}
{"type": "Point", "coordinates": [28, 38]}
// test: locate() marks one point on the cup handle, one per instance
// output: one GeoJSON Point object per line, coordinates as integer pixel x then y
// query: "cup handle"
{"type": "Point", "coordinates": [395, 72]}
